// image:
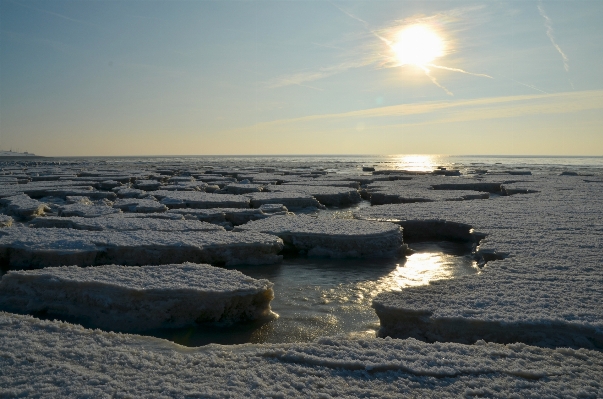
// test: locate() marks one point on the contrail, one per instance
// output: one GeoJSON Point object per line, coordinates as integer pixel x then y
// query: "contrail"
{"type": "Point", "coordinates": [366, 25]}
{"type": "Point", "coordinates": [548, 23]}
{"type": "Point", "coordinates": [435, 82]}
{"type": "Point", "coordinates": [460, 70]}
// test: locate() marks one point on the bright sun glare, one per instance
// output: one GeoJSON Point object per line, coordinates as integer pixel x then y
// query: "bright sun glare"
{"type": "Point", "coordinates": [417, 45]}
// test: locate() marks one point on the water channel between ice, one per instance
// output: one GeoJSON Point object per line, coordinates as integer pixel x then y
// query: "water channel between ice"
{"type": "Point", "coordinates": [317, 297]}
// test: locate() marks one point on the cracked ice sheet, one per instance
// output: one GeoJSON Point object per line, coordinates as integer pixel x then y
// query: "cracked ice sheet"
{"type": "Point", "coordinates": [25, 248]}
{"type": "Point", "coordinates": [120, 298]}
{"type": "Point", "coordinates": [551, 283]}
{"type": "Point", "coordinates": [64, 360]}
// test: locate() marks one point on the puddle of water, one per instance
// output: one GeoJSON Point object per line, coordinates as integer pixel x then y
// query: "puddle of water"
{"type": "Point", "coordinates": [316, 297]}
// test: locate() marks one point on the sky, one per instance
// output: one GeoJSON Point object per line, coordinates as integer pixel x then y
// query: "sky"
{"type": "Point", "coordinates": [112, 78]}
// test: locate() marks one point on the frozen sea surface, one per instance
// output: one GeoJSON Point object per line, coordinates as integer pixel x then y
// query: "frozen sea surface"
{"type": "Point", "coordinates": [521, 268]}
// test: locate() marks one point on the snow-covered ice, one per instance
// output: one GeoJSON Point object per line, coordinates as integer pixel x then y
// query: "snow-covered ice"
{"type": "Point", "coordinates": [58, 359]}
{"type": "Point", "coordinates": [200, 200]}
{"type": "Point", "coordinates": [121, 298]}
{"type": "Point", "coordinates": [27, 248]}
{"type": "Point", "coordinates": [21, 206]}
{"type": "Point", "coordinates": [87, 210]}
{"type": "Point", "coordinates": [120, 223]}
{"type": "Point", "coordinates": [139, 205]}
{"type": "Point", "coordinates": [292, 200]}
{"type": "Point", "coordinates": [333, 237]}
{"type": "Point", "coordinates": [326, 195]}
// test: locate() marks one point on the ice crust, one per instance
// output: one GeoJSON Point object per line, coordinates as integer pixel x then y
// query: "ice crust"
{"type": "Point", "coordinates": [292, 200]}
{"type": "Point", "coordinates": [326, 195]}
{"type": "Point", "coordinates": [546, 288]}
{"type": "Point", "coordinates": [200, 200]}
{"type": "Point", "coordinates": [87, 210]}
{"type": "Point", "coordinates": [120, 298]}
{"type": "Point", "coordinates": [333, 237]}
{"type": "Point", "coordinates": [63, 360]}
{"type": "Point", "coordinates": [25, 248]}
{"type": "Point", "coordinates": [139, 205]}
{"type": "Point", "coordinates": [124, 224]}
{"type": "Point", "coordinates": [23, 207]}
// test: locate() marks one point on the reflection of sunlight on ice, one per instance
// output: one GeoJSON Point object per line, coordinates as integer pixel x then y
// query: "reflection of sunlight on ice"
{"type": "Point", "coordinates": [421, 163]}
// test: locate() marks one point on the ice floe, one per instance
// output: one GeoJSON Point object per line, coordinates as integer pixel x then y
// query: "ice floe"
{"type": "Point", "coordinates": [27, 248]}
{"type": "Point", "coordinates": [137, 205]}
{"type": "Point", "coordinates": [200, 200]}
{"type": "Point", "coordinates": [120, 223]}
{"type": "Point", "coordinates": [333, 237]}
{"type": "Point", "coordinates": [123, 298]}
{"type": "Point", "coordinates": [292, 200]}
{"type": "Point", "coordinates": [21, 206]}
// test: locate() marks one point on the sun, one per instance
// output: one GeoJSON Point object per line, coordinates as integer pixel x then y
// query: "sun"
{"type": "Point", "coordinates": [417, 45]}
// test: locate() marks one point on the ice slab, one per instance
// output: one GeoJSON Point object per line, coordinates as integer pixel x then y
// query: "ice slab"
{"type": "Point", "coordinates": [326, 195]}
{"type": "Point", "coordinates": [23, 207]}
{"type": "Point", "coordinates": [200, 200]}
{"type": "Point", "coordinates": [292, 200]}
{"type": "Point", "coordinates": [541, 281]}
{"type": "Point", "coordinates": [137, 205]}
{"type": "Point", "coordinates": [333, 237]}
{"type": "Point", "coordinates": [66, 360]}
{"type": "Point", "coordinates": [127, 192]}
{"type": "Point", "coordinates": [123, 224]}
{"type": "Point", "coordinates": [235, 188]}
{"type": "Point", "coordinates": [30, 248]}
{"type": "Point", "coordinates": [121, 298]}
{"type": "Point", "coordinates": [87, 210]}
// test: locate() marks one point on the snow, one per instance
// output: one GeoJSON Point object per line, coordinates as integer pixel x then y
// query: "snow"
{"type": "Point", "coordinates": [121, 298]}
{"type": "Point", "coordinates": [326, 195]}
{"type": "Point", "coordinates": [292, 200]}
{"type": "Point", "coordinates": [25, 248]}
{"type": "Point", "coordinates": [200, 200]}
{"type": "Point", "coordinates": [333, 237]}
{"type": "Point", "coordinates": [23, 207]}
{"type": "Point", "coordinates": [58, 359]}
{"type": "Point", "coordinates": [541, 285]}
{"type": "Point", "coordinates": [139, 205]}
{"type": "Point", "coordinates": [120, 223]}
{"type": "Point", "coordinates": [87, 210]}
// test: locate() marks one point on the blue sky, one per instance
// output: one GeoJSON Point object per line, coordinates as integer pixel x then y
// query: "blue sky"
{"type": "Point", "coordinates": [299, 77]}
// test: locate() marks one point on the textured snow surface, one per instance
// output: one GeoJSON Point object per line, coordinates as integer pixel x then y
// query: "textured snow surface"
{"type": "Point", "coordinates": [547, 291]}
{"type": "Point", "coordinates": [333, 237]}
{"type": "Point", "coordinates": [22, 206]}
{"type": "Point", "coordinates": [138, 298]}
{"type": "Point", "coordinates": [25, 248]}
{"type": "Point", "coordinates": [87, 210]}
{"type": "Point", "coordinates": [200, 200]}
{"type": "Point", "coordinates": [326, 195]}
{"type": "Point", "coordinates": [54, 359]}
{"type": "Point", "coordinates": [121, 223]}
{"type": "Point", "coordinates": [139, 205]}
{"type": "Point", "coordinates": [292, 200]}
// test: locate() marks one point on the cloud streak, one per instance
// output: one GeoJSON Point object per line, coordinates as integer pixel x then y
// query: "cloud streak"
{"type": "Point", "coordinates": [448, 111]}
{"type": "Point", "coordinates": [548, 23]}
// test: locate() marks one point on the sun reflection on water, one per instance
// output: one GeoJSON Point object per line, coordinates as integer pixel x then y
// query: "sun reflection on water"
{"type": "Point", "coordinates": [418, 163]}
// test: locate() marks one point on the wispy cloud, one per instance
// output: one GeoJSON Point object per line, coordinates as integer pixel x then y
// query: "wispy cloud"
{"type": "Point", "coordinates": [548, 23]}
{"type": "Point", "coordinates": [450, 111]}
{"type": "Point", "coordinates": [302, 77]}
